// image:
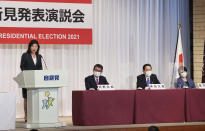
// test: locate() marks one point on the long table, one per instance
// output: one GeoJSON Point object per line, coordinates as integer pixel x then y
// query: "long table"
{"type": "Point", "coordinates": [159, 106]}
{"type": "Point", "coordinates": [195, 105]}
{"type": "Point", "coordinates": [91, 108]}
{"type": "Point", "coordinates": [137, 106]}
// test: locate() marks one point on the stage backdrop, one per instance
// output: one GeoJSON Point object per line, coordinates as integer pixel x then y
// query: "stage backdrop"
{"type": "Point", "coordinates": [126, 35]}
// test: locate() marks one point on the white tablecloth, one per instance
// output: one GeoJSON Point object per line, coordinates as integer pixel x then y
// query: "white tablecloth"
{"type": "Point", "coordinates": [7, 111]}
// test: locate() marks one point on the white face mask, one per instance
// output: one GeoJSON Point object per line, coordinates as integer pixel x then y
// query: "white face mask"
{"type": "Point", "coordinates": [97, 74]}
{"type": "Point", "coordinates": [148, 73]}
{"type": "Point", "coordinates": [184, 74]}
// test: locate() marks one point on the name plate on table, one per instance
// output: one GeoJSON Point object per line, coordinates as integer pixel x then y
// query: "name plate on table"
{"type": "Point", "coordinates": [201, 85]}
{"type": "Point", "coordinates": [105, 87]}
{"type": "Point", "coordinates": [156, 86]}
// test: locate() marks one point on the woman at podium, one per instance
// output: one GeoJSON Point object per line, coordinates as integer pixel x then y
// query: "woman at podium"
{"type": "Point", "coordinates": [30, 60]}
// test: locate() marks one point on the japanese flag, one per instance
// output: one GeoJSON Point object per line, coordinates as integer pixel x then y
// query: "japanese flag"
{"type": "Point", "coordinates": [179, 59]}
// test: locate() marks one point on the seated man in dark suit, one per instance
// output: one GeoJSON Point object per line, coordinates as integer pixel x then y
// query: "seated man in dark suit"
{"type": "Point", "coordinates": [147, 77]}
{"type": "Point", "coordinates": [92, 81]}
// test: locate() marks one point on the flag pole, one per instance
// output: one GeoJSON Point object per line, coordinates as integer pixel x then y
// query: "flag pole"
{"type": "Point", "coordinates": [179, 27]}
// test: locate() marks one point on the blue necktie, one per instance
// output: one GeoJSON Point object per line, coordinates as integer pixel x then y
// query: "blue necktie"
{"type": "Point", "coordinates": [148, 82]}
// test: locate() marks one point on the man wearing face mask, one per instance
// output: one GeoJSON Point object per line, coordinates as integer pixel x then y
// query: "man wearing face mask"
{"type": "Point", "coordinates": [147, 77]}
{"type": "Point", "coordinates": [183, 81]}
{"type": "Point", "coordinates": [92, 81]}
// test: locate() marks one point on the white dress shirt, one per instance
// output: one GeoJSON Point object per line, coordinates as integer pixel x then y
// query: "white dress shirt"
{"type": "Point", "coordinates": [34, 60]}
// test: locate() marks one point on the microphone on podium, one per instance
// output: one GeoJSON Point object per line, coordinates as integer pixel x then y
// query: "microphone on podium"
{"type": "Point", "coordinates": [44, 62]}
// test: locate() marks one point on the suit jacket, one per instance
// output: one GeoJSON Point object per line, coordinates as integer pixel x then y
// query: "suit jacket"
{"type": "Point", "coordinates": [181, 83]}
{"type": "Point", "coordinates": [28, 64]}
{"type": "Point", "coordinates": [141, 80]}
{"type": "Point", "coordinates": [91, 83]}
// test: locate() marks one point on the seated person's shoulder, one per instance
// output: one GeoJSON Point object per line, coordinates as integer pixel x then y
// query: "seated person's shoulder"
{"type": "Point", "coordinates": [154, 75]}
{"type": "Point", "coordinates": [189, 79]}
{"type": "Point", "coordinates": [103, 77]}
{"type": "Point", "coordinates": [139, 76]}
{"type": "Point", "coordinates": [88, 77]}
{"type": "Point", "coordinates": [103, 80]}
{"type": "Point", "coordinates": [179, 79]}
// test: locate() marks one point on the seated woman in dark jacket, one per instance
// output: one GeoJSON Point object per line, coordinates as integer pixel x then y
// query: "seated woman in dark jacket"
{"type": "Point", "coordinates": [183, 81]}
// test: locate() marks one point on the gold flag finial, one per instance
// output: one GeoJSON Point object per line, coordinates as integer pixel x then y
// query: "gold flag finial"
{"type": "Point", "coordinates": [179, 26]}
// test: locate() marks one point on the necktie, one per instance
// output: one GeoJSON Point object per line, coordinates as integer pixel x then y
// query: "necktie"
{"type": "Point", "coordinates": [97, 81]}
{"type": "Point", "coordinates": [148, 82]}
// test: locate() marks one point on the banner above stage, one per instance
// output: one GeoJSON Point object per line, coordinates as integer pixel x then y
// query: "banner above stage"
{"type": "Point", "coordinates": [48, 21]}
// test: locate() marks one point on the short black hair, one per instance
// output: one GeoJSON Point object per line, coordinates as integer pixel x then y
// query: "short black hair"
{"type": "Point", "coordinates": [153, 128]}
{"type": "Point", "coordinates": [31, 44]}
{"type": "Point", "coordinates": [34, 130]}
{"type": "Point", "coordinates": [144, 66]}
{"type": "Point", "coordinates": [99, 66]}
{"type": "Point", "coordinates": [185, 69]}
{"type": "Point", "coordinates": [182, 68]}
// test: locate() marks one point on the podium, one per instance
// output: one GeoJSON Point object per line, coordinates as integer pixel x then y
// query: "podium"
{"type": "Point", "coordinates": [42, 96]}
